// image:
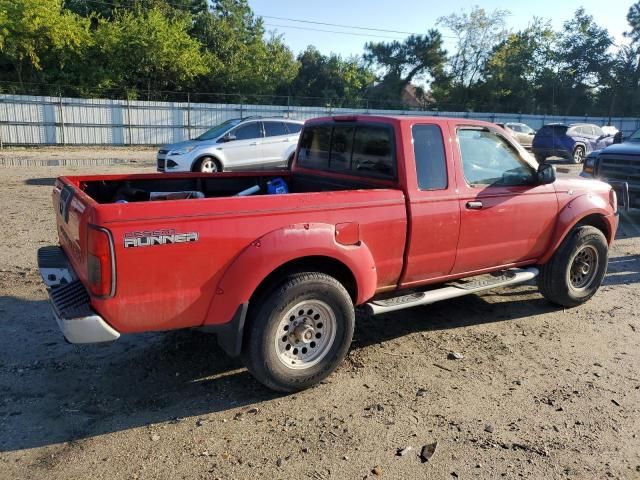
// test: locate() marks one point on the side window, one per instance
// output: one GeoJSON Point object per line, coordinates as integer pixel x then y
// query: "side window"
{"type": "Point", "coordinates": [341, 147]}
{"type": "Point", "coordinates": [373, 152]}
{"type": "Point", "coordinates": [248, 132]}
{"type": "Point", "coordinates": [274, 129]}
{"type": "Point", "coordinates": [431, 163]}
{"type": "Point", "coordinates": [488, 159]}
{"type": "Point", "coordinates": [597, 131]}
{"type": "Point", "coordinates": [314, 147]}
{"type": "Point", "coordinates": [515, 127]}
{"type": "Point", "coordinates": [293, 127]}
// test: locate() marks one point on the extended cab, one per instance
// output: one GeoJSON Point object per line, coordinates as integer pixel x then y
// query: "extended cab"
{"type": "Point", "coordinates": [379, 212]}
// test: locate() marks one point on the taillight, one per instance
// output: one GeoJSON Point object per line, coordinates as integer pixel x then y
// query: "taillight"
{"type": "Point", "coordinates": [100, 262]}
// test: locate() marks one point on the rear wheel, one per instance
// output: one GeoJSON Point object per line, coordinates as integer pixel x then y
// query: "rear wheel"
{"type": "Point", "coordinates": [575, 272]}
{"type": "Point", "coordinates": [299, 332]}
{"type": "Point", "coordinates": [578, 154]}
{"type": "Point", "coordinates": [208, 165]}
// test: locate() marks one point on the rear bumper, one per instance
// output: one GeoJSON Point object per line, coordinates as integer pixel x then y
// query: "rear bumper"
{"type": "Point", "coordinates": [552, 152]}
{"type": "Point", "coordinates": [70, 300]}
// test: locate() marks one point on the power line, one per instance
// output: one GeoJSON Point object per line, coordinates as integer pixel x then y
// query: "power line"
{"type": "Point", "coordinates": [339, 25]}
{"type": "Point", "coordinates": [330, 31]}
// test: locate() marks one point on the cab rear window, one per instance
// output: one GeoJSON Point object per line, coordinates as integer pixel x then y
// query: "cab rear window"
{"type": "Point", "coordinates": [352, 148]}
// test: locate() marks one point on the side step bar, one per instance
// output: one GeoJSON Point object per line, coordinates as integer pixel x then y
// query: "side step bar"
{"type": "Point", "coordinates": [458, 289]}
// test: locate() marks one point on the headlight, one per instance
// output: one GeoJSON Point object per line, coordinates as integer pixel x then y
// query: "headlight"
{"type": "Point", "coordinates": [181, 151]}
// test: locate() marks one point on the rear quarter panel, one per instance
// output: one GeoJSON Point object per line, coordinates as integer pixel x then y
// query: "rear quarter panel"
{"type": "Point", "coordinates": [171, 286]}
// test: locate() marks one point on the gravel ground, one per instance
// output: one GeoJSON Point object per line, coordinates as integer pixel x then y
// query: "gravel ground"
{"type": "Point", "coordinates": [541, 392]}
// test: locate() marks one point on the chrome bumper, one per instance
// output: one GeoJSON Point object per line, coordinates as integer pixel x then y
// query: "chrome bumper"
{"type": "Point", "coordinates": [70, 301]}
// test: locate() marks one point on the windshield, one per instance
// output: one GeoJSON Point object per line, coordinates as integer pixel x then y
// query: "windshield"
{"type": "Point", "coordinates": [635, 136]}
{"type": "Point", "coordinates": [215, 132]}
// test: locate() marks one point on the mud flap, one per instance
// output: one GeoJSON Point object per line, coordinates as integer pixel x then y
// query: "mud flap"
{"type": "Point", "coordinates": [230, 334]}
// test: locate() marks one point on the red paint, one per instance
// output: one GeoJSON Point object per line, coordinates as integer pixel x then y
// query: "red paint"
{"type": "Point", "coordinates": [390, 237]}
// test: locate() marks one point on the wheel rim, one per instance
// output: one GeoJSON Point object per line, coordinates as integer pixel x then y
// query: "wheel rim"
{"type": "Point", "coordinates": [584, 268]}
{"type": "Point", "coordinates": [208, 166]}
{"type": "Point", "coordinates": [578, 155]}
{"type": "Point", "coordinates": [305, 334]}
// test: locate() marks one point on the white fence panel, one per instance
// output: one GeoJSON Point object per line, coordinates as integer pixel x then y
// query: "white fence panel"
{"type": "Point", "coordinates": [40, 120]}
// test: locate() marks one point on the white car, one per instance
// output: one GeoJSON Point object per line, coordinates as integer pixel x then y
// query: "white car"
{"type": "Point", "coordinates": [610, 130]}
{"type": "Point", "coordinates": [252, 143]}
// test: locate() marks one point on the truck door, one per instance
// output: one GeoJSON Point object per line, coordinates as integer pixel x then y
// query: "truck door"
{"type": "Point", "coordinates": [433, 208]}
{"type": "Point", "coordinates": [506, 217]}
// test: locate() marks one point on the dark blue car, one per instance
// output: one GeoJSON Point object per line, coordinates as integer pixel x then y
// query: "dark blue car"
{"type": "Point", "coordinates": [572, 142]}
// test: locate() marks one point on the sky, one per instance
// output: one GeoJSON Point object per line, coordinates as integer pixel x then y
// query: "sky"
{"type": "Point", "coordinates": [415, 16]}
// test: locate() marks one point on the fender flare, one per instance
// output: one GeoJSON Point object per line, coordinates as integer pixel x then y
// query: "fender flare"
{"type": "Point", "coordinates": [276, 248]}
{"type": "Point", "coordinates": [573, 213]}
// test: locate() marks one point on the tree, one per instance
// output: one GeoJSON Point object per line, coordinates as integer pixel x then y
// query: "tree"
{"type": "Point", "coordinates": [329, 77]}
{"type": "Point", "coordinates": [419, 57]}
{"type": "Point", "coordinates": [146, 50]}
{"type": "Point", "coordinates": [633, 17]}
{"type": "Point", "coordinates": [517, 69]}
{"type": "Point", "coordinates": [108, 9]}
{"type": "Point", "coordinates": [240, 60]}
{"type": "Point", "coordinates": [476, 33]}
{"type": "Point", "coordinates": [585, 62]}
{"type": "Point", "coordinates": [38, 38]}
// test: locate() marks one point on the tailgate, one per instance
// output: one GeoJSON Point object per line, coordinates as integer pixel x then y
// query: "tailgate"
{"type": "Point", "coordinates": [70, 205]}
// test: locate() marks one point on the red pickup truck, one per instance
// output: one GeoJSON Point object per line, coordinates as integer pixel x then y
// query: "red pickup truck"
{"type": "Point", "coordinates": [384, 213]}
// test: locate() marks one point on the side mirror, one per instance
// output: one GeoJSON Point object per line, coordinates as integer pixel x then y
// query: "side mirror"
{"type": "Point", "coordinates": [546, 174]}
{"type": "Point", "coordinates": [617, 138]}
{"type": "Point", "coordinates": [228, 138]}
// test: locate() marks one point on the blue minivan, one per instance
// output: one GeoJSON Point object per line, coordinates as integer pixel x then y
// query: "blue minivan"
{"type": "Point", "coordinates": [572, 142]}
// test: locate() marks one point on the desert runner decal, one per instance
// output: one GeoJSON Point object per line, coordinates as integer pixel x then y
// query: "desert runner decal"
{"type": "Point", "coordinates": [157, 237]}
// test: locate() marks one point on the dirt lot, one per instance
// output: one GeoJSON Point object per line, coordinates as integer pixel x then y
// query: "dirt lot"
{"type": "Point", "coordinates": [540, 393]}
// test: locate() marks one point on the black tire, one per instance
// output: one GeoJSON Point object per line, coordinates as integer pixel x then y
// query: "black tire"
{"type": "Point", "coordinates": [578, 154]}
{"type": "Point", "coordinates": [558, 280]}
{"type": "Point", "coordinates": [262, 333]}
{"type": "Point", "coordinates": [199, 165]}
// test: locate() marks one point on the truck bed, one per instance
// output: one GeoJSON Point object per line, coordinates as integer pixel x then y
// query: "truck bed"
{"type": "Point", "coordinates": [162, 286]}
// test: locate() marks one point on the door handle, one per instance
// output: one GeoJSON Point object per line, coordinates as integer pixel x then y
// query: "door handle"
{"type": "Point", "coordinates": [253, 144]}
{"type": "Point", "coordinates": [474, 205]}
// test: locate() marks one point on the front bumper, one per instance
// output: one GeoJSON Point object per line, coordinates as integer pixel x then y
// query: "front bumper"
{"type": "Point", "coordinates": [70, 300]}
{"type": "Point", "coordinates": [165, 162]}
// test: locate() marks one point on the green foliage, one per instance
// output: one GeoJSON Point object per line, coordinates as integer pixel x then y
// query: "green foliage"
{"type": "Point", "coordinates": [147, 50]}
{"type": "Point", "coordinates": [418, 58]}
{"type": "Point", "coordinates": [476, 33]}
{"type": "Point", "coordinates": [38, 38]}
{"type": "Point", "coordinates": [241, 60]}
{"type": "Point", "coordinates": [518, 68]}
{"type": "Point", "coordinates": [328, 78]}
{"type": "Point", "coordinates": [142, 47]}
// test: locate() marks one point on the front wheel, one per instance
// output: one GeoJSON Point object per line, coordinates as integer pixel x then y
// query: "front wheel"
{"type": "Point", "coordinates": [578, 154]}
{"type": "Point", "coordinates": [208, 165]}
{"type": "Point", "coordinates": [575, 272]}
{"type": "Point", "coordinates": [299, 333]}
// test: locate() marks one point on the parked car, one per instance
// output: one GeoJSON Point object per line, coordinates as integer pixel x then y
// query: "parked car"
{"type": "Point", "coordinates": [618, 165]}
{"type": "Point", "coordinates": [381, 212]}
{"type": "Point", "coordinates": [571, 142]}
{"type": "Point", "coordinates": [522, 132]}
{"type": "Point", "coordinates": [250, 143]}
{"type": "Point", "coordinates": [610, 130]}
